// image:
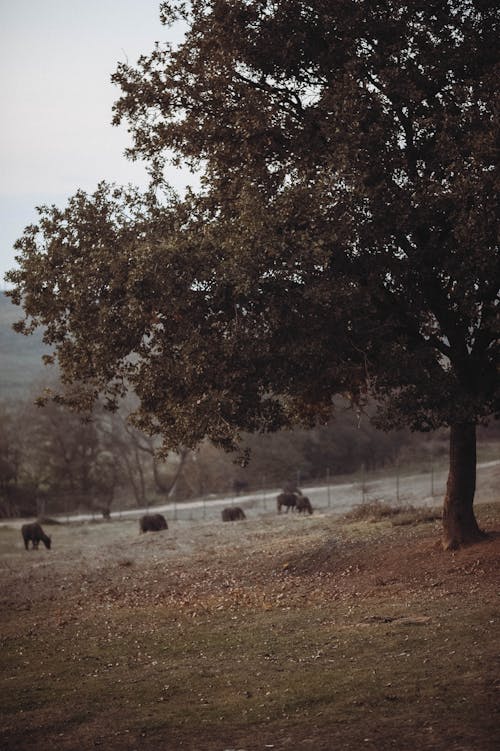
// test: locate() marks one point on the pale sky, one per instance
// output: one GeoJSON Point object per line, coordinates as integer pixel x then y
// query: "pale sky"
{"type": "Point", "coordinates": [56, 59]}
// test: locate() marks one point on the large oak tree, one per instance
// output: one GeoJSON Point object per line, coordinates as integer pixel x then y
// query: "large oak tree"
{"type": "Point", "coordinates": [344, 238]}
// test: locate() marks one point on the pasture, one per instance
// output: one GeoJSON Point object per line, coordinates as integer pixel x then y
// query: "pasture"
{"type": "Point", "coordinates": [277, 632]}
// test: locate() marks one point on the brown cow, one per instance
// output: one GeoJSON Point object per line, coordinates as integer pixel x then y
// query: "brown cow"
{"type": "Point", "coordinates": [286, 499]}
{"type": "Point", "coordinates": [303, 504]}
{"type": "Point", "coordinates": [232, 514]}
{"type": "Point", "coordinates": [35, 533]}
{"type": "Point", "coordinates": [152, 523]}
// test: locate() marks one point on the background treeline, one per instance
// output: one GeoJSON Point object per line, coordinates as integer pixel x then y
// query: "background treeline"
{"type": "Point", "coordinates": [53, 462]}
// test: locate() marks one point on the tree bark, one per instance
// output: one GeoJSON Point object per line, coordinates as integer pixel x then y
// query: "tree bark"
{"type": "Point", "coordinates": [459, 523]}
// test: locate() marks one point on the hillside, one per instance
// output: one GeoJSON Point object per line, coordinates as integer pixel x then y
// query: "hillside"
{"type": "Point", "coordinates": [20, 356]}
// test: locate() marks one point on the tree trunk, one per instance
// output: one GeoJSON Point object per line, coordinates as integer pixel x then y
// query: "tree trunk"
{"type": "Point", "coordinates": [459, 523]}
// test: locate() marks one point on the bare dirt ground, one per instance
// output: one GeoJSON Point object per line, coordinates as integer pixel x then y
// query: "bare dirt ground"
{"type": "Point", "coordinates": [280, 632]}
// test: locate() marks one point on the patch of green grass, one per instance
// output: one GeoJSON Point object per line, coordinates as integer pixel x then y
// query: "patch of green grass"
{"type": "Point", "coordinates": [258, 669]}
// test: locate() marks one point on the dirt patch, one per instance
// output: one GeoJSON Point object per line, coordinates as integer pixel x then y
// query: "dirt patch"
{"type": "Point", "coordinates": [276, 632]}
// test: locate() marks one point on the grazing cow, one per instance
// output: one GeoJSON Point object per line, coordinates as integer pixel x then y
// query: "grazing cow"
{"type": "Point", "coordinates": [303, 504]}
{"type": "Point", "coordinates": [232, 514]}
{"type": "Point", "coordinates": [35, 533]}
{"type": "Point", "coordinates": [289, 500]}
{"type": "Point", "coordinates": [152, 523]}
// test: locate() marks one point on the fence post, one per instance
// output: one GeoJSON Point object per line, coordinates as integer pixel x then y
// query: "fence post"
{"type": "Point", "coordinates": [397, 480]}
{"type": "Point", "coordinates": [328, 487]}
{"type": "Point", "coordinates": [264, 499]}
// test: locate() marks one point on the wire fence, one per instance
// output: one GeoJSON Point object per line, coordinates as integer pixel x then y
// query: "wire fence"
{"type": "Point", "coordinates": [326, 496]}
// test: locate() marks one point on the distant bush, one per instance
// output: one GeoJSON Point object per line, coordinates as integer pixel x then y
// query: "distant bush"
{"type": "Point", "coordinates": [378, 510]}
{"type": "Point", "coordinates": [372, 511]}
{"type": "Point", "coordinates": [416, 516]}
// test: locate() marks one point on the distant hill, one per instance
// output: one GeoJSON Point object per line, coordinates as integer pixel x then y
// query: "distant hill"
{"type": "Point", "coordinates": [21, 366]}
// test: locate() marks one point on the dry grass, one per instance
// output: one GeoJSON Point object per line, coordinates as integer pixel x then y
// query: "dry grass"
{"type": "Point", "coordinates": [278, 632]}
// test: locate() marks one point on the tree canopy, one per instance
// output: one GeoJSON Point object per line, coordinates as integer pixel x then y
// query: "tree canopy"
{"type": "Point", "coordinates": [344, 238]}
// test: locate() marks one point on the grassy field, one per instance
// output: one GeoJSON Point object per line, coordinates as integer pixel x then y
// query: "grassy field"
{"type": "Point", "coordinates": [272, 633]}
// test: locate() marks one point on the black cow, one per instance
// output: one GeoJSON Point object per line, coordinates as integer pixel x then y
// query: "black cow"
{"type": "Point", "coordinates": [289, 500]}
{"type": "Point", "coordinates": [152, 523]}
{"type": "Point", "coordinates": [35, 533]}
{"type": "Point", "coordinates": [232, 514]}
{"type": "Point", "coordinates": [303, 504]}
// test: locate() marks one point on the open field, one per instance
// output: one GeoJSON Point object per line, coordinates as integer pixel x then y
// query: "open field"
{"type": "Point", "coordinates": [280, 632]}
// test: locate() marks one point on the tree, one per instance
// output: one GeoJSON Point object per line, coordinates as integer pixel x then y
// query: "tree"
{"type": "Point", "coordinates": [62, 456]}
{"type": "Point", "coordinates": [344, 238]}
{"type": "Point", "coordinates": [9, 460]}
{"type": "Point", "coordinates": [136, 457]}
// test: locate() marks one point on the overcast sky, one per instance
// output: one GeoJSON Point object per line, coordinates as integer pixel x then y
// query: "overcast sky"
{"type": "Point", "coordinates": [56, 59]}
